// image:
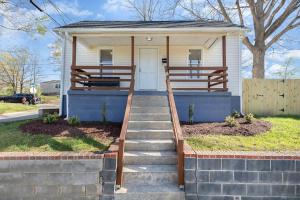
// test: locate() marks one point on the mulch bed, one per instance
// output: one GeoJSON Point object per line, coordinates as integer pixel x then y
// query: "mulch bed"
{"type": "Point", "coordinates": [245, 129]}
{"type": "Point", "coordinates": [61, 128]}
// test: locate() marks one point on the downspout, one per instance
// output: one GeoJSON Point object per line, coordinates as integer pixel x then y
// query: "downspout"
{"type": "Point", "coordinates": [63, 67]}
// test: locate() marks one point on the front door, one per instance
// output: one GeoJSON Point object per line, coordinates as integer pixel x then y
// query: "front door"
{"type": "Point", "coordinates": [148, 64]}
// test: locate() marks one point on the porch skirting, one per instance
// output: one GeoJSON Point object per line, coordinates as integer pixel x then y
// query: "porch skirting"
{"type": "Point", "coordinates": [95, 105]}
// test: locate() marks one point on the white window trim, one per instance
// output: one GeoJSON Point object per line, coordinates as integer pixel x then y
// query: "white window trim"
{"type": "Point", "coordinates": [105, 48]}
{"type": "Point", "coordinates": [188, 59]}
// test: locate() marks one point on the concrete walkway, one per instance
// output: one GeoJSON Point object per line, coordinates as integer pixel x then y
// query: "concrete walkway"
{"type": "Point", "coordinates": [24, 115]}
{"type": "Point", "coordinates": [18, 116]}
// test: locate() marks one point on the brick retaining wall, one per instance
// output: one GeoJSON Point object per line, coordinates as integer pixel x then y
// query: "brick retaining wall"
{"type": "Point", "coordinates": [242, 176]}
{"type": "Point", "coordinates": [57, 176]}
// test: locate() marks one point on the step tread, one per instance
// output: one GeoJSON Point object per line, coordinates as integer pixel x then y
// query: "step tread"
{"type": "Point", "coordinates": [150, 153]}
{"type": "Point", "coordinates": [150, 130]}
{"type": "Point", "coordinates": [150, 169]}
{"type": "Point", "coordinates": [160, 141]}
{"type": "Point", "coordinates": [134, 188]}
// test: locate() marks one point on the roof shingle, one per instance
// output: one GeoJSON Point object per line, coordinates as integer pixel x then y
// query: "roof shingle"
{"type": "Point", "coordinates": [148, 24]}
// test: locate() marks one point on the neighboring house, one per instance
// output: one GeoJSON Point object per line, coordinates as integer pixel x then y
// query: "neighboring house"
{"type": "Point", "coordinates": [50, 87]}
{"type": "Point", "coordinates": [202, 57]}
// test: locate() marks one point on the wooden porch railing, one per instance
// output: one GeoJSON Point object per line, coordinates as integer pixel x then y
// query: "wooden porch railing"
{"type": "Point", "coordinates": [215, 76]}
{"type": "Point", "coordinates": [120, 160]}
{"type": "Point", "coordinates": [101, 77]}
{"type": "Point", "coordinates": [177, 131]}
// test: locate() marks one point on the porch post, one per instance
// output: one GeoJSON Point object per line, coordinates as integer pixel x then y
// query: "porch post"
{"type": "Point", "coordinates": [73, 61]}
{"type": "Point", "coordinates": [224, 61]}
{"type": "Point", "coordinates": [168, 52]}
{"type": "Point", "coordinates": [132, 51]}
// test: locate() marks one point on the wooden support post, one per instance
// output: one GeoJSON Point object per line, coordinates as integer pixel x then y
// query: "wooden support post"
{"type": "Point", "coordinates": [224, 60]}
{"type": "Point", "coordinates": [73, 60]}
{"type": "Point", "coordinates": [132, 51]}
{"type": "Point", "coordinates": [168, 52]}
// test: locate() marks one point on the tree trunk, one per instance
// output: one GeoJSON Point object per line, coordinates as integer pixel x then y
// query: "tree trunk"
{"type": "Point", "coordinates": [258, 70]}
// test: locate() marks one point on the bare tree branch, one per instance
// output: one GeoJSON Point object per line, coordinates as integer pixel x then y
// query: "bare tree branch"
{"type": "Point", "coordinates": [294, 5]}
{"type": "Point", "coordinates": [240, 12]}
{"type": "Point", "coordinates": [224, 12]}
{"type": "Point", "coordinates": [275, 11]}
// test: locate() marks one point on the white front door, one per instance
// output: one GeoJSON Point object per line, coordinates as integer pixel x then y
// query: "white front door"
{"type": "Point", "coordinates": [148, 64]}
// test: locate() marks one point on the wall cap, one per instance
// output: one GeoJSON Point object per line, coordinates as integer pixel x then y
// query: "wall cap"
{"type": "Point", "coordinates": [55, 155]}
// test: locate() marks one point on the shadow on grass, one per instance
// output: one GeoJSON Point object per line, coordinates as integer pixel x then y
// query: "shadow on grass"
{"type": "Point", "coordinates": [12, 138]}
{"type": "Point", "coordinates": [296, 117]}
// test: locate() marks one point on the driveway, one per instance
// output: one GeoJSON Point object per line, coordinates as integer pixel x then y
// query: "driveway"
{"type": "Point", "coordinates": [24, 115]}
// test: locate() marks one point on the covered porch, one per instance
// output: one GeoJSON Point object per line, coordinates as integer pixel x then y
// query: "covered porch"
{"type": "Point", "coordinates": [143, 62]}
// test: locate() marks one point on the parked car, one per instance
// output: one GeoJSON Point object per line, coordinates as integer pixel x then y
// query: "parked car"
{"type": "Point", "coordinates": [20, 98]}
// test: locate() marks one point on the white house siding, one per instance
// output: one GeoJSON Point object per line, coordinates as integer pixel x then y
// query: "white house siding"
{"type": "Point", "coordinates": [178, 57]}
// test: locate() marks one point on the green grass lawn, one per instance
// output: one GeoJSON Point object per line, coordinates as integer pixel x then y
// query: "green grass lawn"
{"type": "Point", "coordinates": [15, 107]}
{"type": "Point", "coordinates": [13, 139]}
{"type": "Point", "coordinates": [50, 99]}
{"type": "Point", "coordinates": [284, 136]}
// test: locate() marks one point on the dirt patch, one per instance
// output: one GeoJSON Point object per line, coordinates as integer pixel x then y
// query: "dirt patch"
{"type": "Point", "coordinates": [245, 129]}
{"type": "Point", "coordinates": [63, 129]}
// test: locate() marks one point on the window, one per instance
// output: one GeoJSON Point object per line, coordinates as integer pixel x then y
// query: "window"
{"type": "Point", "coordinates": [106, 57]}
{"type": "Point", "coordinates": [57, 85]}
{"type": "Point", "coordinates": [194, 61]}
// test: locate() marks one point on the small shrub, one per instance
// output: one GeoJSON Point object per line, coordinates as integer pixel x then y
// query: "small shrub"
{"type": "Point", "coordinates": [51, 118]}
{"type": "Point", "coordinates": [103, 113]}
{"type": "Point", "coordinates": [231, 121]}
{"type": "Point", "coordinates": [191, 113]}
{"type": "Point", "coordinates": [249, 118]}
{"type": "Point", "coordinates": [236, 114]}
{"type": "Point", "coordinates": [74, 121]}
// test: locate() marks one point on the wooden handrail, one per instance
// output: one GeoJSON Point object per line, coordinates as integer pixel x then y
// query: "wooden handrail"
{"type": "Point", "coordinates": [102, 67]}
{"type": "Point", "coordinates": [217, 76]}
{"type": "Point", "coordinates": [197, 68]}
{"type": "Point", "coordinates": [176, 130]}
{"type": "Point", "coordinates": [123, 133]}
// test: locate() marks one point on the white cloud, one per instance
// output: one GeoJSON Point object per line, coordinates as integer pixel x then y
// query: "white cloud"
{"type": "Point", "coordinates": [115, 5]}
{"type": "Point", "coordinates": [72, 9]}
{"type": "Point", "coordinates": [284, 55]}
{"type": "Point", "coordinates": [246, 57]}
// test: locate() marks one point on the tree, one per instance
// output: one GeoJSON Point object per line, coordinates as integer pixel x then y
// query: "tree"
{"type": "Point", "coordinates": [146, 10]}
{"type": "Point", "coordinates": [286, 71]}
{"type": "Point", "coordinates": [17, 69]}
{"type": "Point", "coordinates": [18, 17]}
{"type": "Point", "coordinates": [270, 20]}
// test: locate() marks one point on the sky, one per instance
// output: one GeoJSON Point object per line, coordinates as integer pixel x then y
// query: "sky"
{"type": "Point", "coordinates": [76, 10]}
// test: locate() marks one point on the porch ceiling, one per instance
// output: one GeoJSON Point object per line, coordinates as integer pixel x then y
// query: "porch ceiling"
{"type": "Point", "coordinates": [195, 40]}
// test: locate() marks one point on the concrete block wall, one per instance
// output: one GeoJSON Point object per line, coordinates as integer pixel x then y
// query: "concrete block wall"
{"type": "Point", "coordinates": [67, 176]}
{"type": "Point", "coordinates": [241, 177]}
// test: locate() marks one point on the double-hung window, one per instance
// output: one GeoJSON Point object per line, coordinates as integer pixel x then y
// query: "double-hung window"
{"type": "Point", "coordinates": [195, 60]}
{"type": "Point", "coordinates": [106, 59]}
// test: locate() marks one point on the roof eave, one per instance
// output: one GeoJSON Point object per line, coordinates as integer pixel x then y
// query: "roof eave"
{"type": "Point", "coordinates": [151, 30]}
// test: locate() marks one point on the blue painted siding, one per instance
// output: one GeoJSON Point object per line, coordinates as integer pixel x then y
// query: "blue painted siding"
{"type": "Point", "coordinates": [88, 105]}
{"type": "Point", "coordinates": [209, 107]}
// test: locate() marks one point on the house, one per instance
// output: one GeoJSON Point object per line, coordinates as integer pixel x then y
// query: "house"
{"type": "Point", "coordinates": [203, 59]}
{"type": "Point", "coordinates": [150, 76]}
{"type": "Point", "coordinates": [50, 87]}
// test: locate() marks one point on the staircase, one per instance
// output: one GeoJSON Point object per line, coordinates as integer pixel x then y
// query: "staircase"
{"type": "Point", "coordinates": [150, 159]}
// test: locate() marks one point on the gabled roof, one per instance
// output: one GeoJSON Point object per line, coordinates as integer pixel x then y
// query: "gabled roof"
{"type": "Point", "coordinates": [149, 24]}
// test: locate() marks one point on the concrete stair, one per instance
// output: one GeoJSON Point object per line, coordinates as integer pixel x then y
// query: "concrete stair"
{"type": "Point", "coordinates": [150, 159]}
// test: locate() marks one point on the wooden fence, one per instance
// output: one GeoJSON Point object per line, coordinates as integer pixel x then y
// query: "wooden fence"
{"type": "Point", "coordinates": [271, 96]}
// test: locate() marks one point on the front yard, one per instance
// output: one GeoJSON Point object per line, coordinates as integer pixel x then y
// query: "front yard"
{"type": "Point", "coordinates": [55, 137]}
{"type": "Point", "coordinates": [283, 136]}
{"type": "Point", "coordinates": [15, 107]}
